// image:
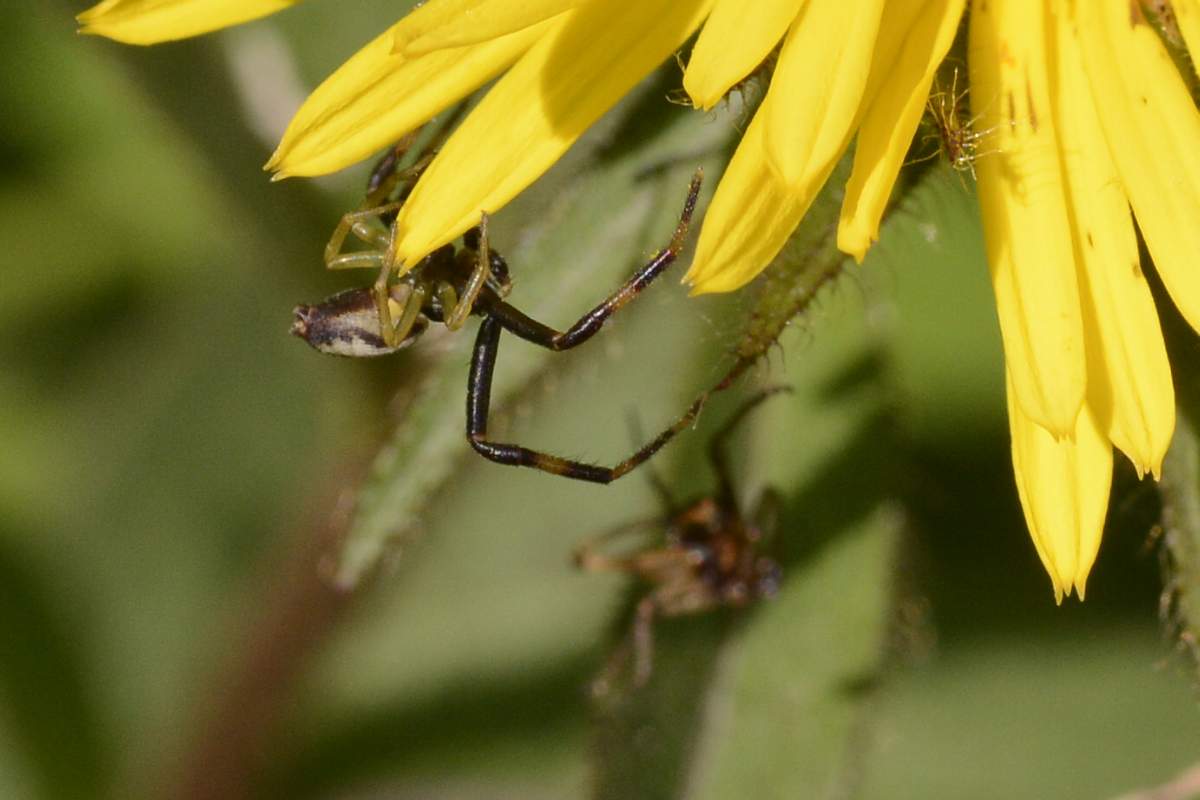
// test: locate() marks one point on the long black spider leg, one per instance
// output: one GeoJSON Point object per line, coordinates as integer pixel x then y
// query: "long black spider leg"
{"type": "Point", "coordinates": [590, 323]}
{"type": "Point", "coordinates": [479, 393]}
{"type": "Point", "coordinates": [487, 344]}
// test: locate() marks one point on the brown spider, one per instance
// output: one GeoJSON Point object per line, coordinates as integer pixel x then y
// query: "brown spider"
{"type": "Point", "coordinates": [448, 286]}
{"type": "Point", "coordinates": [709, 556]}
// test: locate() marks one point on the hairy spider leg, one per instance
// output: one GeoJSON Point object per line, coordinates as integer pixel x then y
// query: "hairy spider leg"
{"type": "Point", "coordinates": [502, 316]}
{"type": "Point", "coordinates": [657, 483]}
{"type": "Point", "coordinates": [684, 421]}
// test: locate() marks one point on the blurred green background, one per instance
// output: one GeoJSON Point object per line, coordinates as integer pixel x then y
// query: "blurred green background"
{"type": "Point", "coordinates": [173, 463]}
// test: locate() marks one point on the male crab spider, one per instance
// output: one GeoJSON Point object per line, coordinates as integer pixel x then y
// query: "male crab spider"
{"type": "Point", "coordinates": [709, 556]}
{"type": "Point", "coordinates": [448, 286]}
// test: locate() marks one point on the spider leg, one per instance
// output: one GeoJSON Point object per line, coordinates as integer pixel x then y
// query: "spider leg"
{"type": "Point", "coordinates": [383, 177]}
{"type": "Point", "coordinates": [360, 260]}
{"type": "Point", "coordinates": [643, 641]}
{"type": "Point", "coordinates": [475, 282]}
{"type": "Point", "coordinates": [386, 176]}
{"type": "Point", "coordinates": [358, 223]}
{"type": "Point", "coordinates": [503, 316]}
{"type": "Point", "coordinates": [479, 398]}
{"type": "Point", "coordinates": [411, 300]}
{"type": "Point", "coordinates": [657, 483]}
{"type": "Point", "coordinates": [479, 390]}
{"type": "Point", "coordinates": [588, 556]}
{"type": "Point", "coordinates": [586, 326]}
{"type": "Point", "coordinates": [923, 159]}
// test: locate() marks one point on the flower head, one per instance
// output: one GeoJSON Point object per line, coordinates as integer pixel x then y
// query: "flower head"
{"type": "Point", "coordinates": [1088, 118]}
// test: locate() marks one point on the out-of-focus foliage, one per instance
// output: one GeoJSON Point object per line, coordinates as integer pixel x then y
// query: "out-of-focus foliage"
{"type": "Point", "coordinates": [170, 458]}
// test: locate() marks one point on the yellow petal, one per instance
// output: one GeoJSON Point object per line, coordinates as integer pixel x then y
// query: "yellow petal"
{"type": "Point", "coordinates": [1023, 205]}
{"type": "Point", "coordinates": [376, 97]}
{"type": "Point", "coordinates": [1063, 484]}
{"type": "Point", "coordinates": [152, 21]}
{"type": "Point", "coordinates": [440, 24]}
{"type": "Point", "coordinates": [755, 208]}
{"type": "Point", "coordinates": [749, 220]}
{"type": "Point", "coordinates": [1129, 377]}
{"type": "Point", "coordinates": [914, 36]}
{"type": "Point", "coordinates": [715, 65]}
{"type": "Point", "coordinates": [577, 71]}
{"type": "Point", "coordinates": [823, 68]}
{"type": "Point", "coordinates": [1153, 131]}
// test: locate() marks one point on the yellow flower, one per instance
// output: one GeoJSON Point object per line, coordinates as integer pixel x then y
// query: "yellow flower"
{"type": "Point", "coordinates": [1087, 118]}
